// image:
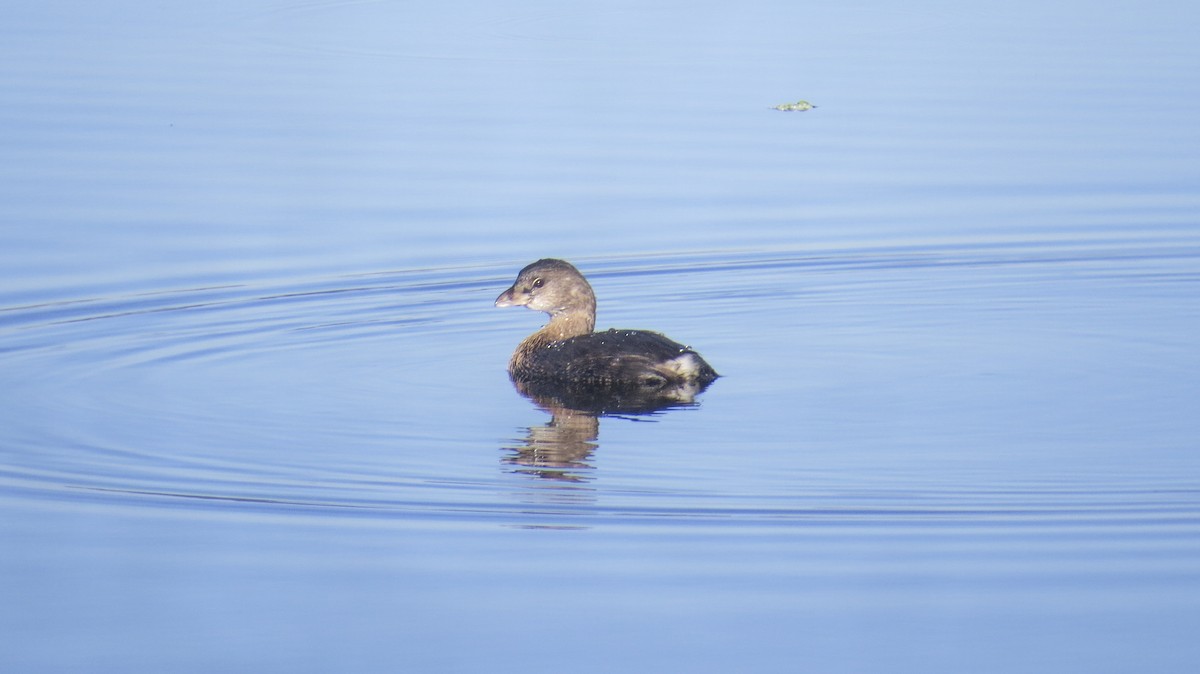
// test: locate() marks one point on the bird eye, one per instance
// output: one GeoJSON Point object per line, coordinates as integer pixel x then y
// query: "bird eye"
{"type": "Point", "coordinates": [538, 283]}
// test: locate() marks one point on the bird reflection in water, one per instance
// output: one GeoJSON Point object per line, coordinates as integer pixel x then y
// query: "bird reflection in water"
{"type": "Point", "coordinates": [561, 450]}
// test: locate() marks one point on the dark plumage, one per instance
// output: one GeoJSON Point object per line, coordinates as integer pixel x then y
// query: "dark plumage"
{"type": "Point", "coordinates": [567, 350]}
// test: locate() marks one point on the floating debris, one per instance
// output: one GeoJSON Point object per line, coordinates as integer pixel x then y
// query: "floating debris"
{"type": "Point", "coordinates": [798, 106]}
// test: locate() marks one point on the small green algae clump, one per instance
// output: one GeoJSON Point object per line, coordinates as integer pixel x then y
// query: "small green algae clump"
{"type": "Point", "coordinates": [798, 106]}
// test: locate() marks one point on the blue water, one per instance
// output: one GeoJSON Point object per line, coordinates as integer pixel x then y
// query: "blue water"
{"type": "Point", "coordinates": [254, 413]}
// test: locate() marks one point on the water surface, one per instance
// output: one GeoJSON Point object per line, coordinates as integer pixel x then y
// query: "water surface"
{"type": "Point", "coordinates": [255, 413]}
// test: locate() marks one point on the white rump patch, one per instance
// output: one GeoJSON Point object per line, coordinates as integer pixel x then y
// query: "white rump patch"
{"type": "Point", "coordinates": [686, 366]}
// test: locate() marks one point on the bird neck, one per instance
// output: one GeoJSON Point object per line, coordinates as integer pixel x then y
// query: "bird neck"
{"type": "Point", "coordinates": [569, 324]}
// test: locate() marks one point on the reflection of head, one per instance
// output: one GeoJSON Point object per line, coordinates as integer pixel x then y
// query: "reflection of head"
{"type": "Point", "coordinates": [561, 446]}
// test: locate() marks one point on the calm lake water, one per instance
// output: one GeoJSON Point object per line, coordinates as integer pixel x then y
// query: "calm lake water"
{"type": "Point", "coordinates": [254, 414]}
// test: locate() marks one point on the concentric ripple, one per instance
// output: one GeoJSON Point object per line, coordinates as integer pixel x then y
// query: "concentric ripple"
{"type": "Point", "coordinates": [384, 393]}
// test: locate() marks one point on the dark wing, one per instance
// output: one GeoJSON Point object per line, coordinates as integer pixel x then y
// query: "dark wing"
{"type": "Point", "coordinates": [623, 357]}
